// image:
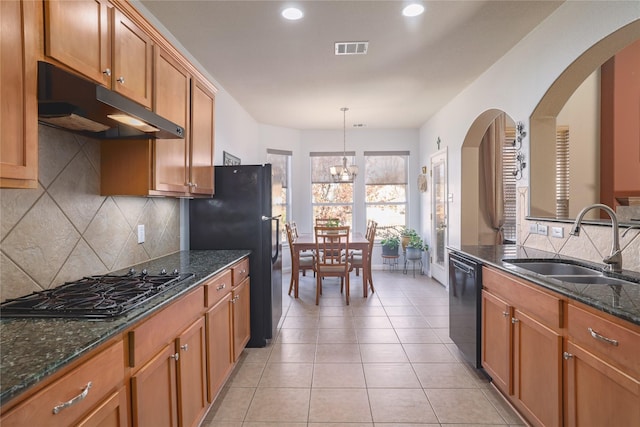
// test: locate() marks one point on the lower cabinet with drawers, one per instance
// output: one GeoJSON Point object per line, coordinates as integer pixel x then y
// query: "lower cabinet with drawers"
{"type": "Point", "coordinates": [164, 371]}
{"type": "Point", "coordinates": [558, 361]}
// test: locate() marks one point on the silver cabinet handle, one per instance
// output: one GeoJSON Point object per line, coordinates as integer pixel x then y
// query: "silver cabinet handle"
{"type": "Point", "coordinates": [78, 398]}
{"type": "Point", "coordinates": [221, 287]}
{"type": "Point", "coordinates": [121, 79]}
{"type": "Point", "coordinates": [514, 320]}
{"type": "Point", "coordinates": [175, 357]}
{"type": "Point", "coordinates": [185, 347]}
{"type": "Point", "coordinates": [567, 356]}
{"type": "Point", "coordinates": [107, 72]}
{"type": "Point", "coordinates": [505, 313]}
{"type": "Point", "coordinates": [597, 336]}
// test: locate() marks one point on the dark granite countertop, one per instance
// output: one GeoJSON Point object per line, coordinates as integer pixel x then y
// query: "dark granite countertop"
{"type": "Point", "coordinates": [32, 349]}
{"type": "Point", "coordinates": [622, 301]}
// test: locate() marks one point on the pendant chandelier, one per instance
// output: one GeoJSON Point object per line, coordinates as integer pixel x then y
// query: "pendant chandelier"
{"type": "Point", "coordinates": [343, 173]}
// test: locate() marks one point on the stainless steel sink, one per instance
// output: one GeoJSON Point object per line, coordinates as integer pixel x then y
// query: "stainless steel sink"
{"type": "Point", "coordinates": [550, 268]}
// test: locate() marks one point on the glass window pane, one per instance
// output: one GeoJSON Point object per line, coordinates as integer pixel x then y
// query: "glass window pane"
{"type": "Point", "coordinates": [332, 193]}
{"type": "Point", "coordinates": [386, 193]}
{"type": "Point", "coordinates": [386, 169]}
{"type": "Point", "coordinates": [320, 167]}
{"type": "Point", "coordinates": [342, 212]}
{"type": "Point", "coordinates": [387, 215]}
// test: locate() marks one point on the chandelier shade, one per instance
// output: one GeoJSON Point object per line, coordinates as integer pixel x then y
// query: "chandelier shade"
{"type": "Point", "coordinates": [344, 173]}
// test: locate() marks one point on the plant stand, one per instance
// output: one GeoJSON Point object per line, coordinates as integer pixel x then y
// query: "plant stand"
{"type": "Point", "coordinates": [391, 261]}
{"type": "Point", "coordinates": [409, 258]}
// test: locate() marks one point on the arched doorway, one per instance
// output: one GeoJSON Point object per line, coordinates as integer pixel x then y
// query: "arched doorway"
{"type": "Point", "coordinates": [475, 227]}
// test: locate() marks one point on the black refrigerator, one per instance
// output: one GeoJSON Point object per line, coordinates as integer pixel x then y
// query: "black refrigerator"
{"type": "Point", "coordinates": [238, 216]}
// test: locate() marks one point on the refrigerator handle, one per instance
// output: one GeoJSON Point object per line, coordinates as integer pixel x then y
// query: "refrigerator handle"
{"type": "Point", "coordinates": [276, 218]}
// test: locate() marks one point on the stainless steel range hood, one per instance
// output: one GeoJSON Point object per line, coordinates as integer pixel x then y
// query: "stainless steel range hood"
{"type": "Point", "coordinates": [81, 106]}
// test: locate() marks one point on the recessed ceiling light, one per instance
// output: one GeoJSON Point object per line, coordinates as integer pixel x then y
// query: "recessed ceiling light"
{"type": "Point", "coordinates": [414, 9]}
{"type": "Point", "coordinates": [292, 13]}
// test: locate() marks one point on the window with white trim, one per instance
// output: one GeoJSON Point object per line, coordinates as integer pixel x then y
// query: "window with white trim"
{"type": "Point", "coordinates": [386, 187]}
{"type": "Point", "coordinates": [280, 184]}
{"type": "Point", "coordinates": [330, 199]}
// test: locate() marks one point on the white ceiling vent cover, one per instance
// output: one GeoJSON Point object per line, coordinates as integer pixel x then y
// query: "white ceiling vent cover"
{"type": "Point", "coordinates": [352, 48]}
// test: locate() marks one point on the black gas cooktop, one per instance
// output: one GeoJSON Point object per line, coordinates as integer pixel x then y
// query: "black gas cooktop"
{"type": "Point", "coordinates": [96, 297]}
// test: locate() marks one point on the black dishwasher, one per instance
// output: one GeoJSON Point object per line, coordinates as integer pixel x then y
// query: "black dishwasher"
{"type": "Point", "coordinates": [465, 303]}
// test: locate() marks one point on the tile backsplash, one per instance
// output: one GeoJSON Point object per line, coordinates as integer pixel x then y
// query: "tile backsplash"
{"type": "Point", "coordinates": [593, 243]}
{"type": "Point", "coordinates": [64, 229]}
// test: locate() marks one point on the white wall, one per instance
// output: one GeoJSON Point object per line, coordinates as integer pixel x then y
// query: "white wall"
{"type": "Point", "coordinates": [516, 83]}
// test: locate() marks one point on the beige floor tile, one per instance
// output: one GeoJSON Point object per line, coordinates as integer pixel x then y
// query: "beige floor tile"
{"type": "Point", "coordinates": [381, 353]}
{"type": "Point", "coordinates": [287, 375]}
{"type": "Point", "coordinates": [504, 409]}
{"type": "Point", "coordinates": [395, 301]}
{"type": "Point", "coordinates": [390, 375]}
{"type": "Point", "coordinates": [363, 311]}
{"type": "Point", "coordinates": [437, 321]}
{"type": "Point", "coordinates": [256, 355]}
{"type": "Point", "coordinates": [292, 353]}
{"type": "Point", "coordinates": [326, 336]}
{"type": "Point", "coordinates": [246, 375]}
{"type": "Point", "coordinates": [400, 406]}
{"type": "Point", "coordinates": [232, 404]}
{"type": "Point", "coordinates": [339, 425]}
{"type": "Point", "coordinates": [425, 353]}
{"type": "Point", "coordinates": [301, 322]}
{"type": "Point", "coordinates": [340, 311]}
{"type": "Point", "coordinates": [298, 336]}
{"type": "Point", "coordinates": [444, 375]}
{"type": "Point", "coordinates": [382, 336]}
{"type": "Point", "coordinates": [418, 336]}
{"type": "Point", "coordinates": [408, 425]}
{"type": "Point", "coordinates": [443, 333]}
{"type": "Point", "coordinates": [279, 405]}
{"type": "Point", "coordinates": [338, 375]}
{"type": "Point", "coordinates": [339, 405]}
{"type": "Point", "coordinates": [406, 322]}
{"type": "Point", "coordinates": [338, 353]}
{"type": "Point", "coordinates": [463, 406]}
{"type": "Point", "coordinates": [402, 310]}
{"type": "Point", "coordinates": [334, 322]}
{"type": "Point", "coordinates": [379, 322]}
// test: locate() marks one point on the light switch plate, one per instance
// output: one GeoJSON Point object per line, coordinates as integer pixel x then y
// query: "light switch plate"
{"type": "Point", "coordinates": [543, 229]}
{"type": "Point", "coordinates": [533, 228]}
{"type": "Point", "coordinates": [557, 232]}
{"type": "Point", "coordinates": [140, 233]}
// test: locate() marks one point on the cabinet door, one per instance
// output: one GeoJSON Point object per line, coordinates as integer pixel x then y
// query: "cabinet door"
{"type": "Point", "coordinates": [153, 391]}
{"type": "Point", "coordinates": [171, 84]}
{"type": "Point", "coordinates": [241, 318]}
{"type": "Point", "coordinates": [18, 114]}
{"type": "Point", "coordinates": [77, 33]}
{"type": "Point", "coordinates": [219, 345]}
{"type": "Point", "coordinates": [112, 412]}
{"type": "Point", "coordinates": [597, 393]}
{"type": "Point", "coordinates": [192, 389]}
{"type": "Point", "coordinates": [202, 139]}
{"type": "Point", "coordinates": [496, 341]}
{"type": "Point", "coordinates": [537, 366]}
{"type": "Point", "coordinates": [132, 60]}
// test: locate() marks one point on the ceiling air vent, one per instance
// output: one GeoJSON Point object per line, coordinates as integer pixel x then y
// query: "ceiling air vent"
{"type": "Point", "coordinates": [351, 48]}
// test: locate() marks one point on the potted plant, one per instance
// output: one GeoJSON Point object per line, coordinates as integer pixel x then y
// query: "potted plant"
{"type": "Point", "coordinates": [390, 244]}
{"type": "Point", "coordinates": [415, 247]}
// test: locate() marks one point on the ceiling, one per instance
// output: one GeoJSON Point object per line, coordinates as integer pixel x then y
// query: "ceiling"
{"type": "Point", "coordinates": [285, 73]}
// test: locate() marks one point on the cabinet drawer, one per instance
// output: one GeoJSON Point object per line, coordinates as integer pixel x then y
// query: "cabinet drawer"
{"type": "Point", "coordinates": [217, 288]}
{"type": "Point", "coordinates": [543, 306]}
{"type": "Point", "coordinates": [103, 372]}
{"type": "Point", "coordinates": [145, 340]}
{"type": "Point", "coordinates": [240, 271]}
{"type": "Point", "coordinates": [614, 342]}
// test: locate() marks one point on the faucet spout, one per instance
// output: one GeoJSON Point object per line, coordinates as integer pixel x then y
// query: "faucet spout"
{"type": "Point", "coordinates": [614, 260]}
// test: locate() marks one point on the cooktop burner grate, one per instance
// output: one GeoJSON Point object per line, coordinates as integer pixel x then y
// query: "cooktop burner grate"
{"type": "Point", "coordinates": [101, 296]}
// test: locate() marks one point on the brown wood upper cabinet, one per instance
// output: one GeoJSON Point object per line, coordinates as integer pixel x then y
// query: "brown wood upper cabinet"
{"type": "Point", "coordinates": [18, 117]}
{"type": "Point", "coordinates": [100, 42]}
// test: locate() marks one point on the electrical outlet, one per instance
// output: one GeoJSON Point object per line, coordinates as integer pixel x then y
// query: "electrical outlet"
{"type": "Point", "coordinates": [533, 228]}
{"type": "Point", "coordinates": [543, 229]}
{"type": "Point", "coordinates": [557, 232]}
{"type": "Point", "coordinates": [141, 233]}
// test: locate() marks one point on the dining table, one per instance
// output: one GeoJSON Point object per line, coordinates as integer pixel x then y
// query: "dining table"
{"type": "Point", "coordinates": [306, 242]}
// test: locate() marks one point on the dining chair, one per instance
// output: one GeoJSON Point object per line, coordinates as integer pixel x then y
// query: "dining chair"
{"type": "Point", "coordinates": [304, 262]}
{"type": "Point", "coordinates": [356, 256]}
{"type": "Point", "coordinates": [304, 253]}
{"type": "Point", "coordinates": [331, 245]}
